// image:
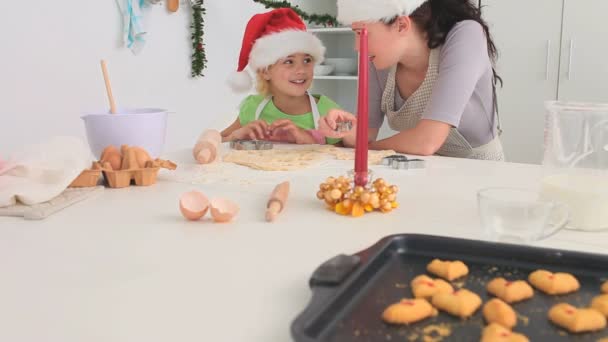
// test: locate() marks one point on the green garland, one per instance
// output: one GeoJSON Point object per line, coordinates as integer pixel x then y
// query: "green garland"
{"type": "Point", "coordinates": [199, 58]}
{"type": "Point", "coordinates": [317, 19]}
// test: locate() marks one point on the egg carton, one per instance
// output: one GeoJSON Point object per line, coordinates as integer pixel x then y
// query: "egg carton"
{"type": "Point", "coordinates": [124, 178]}
{"type": "Point", "coordinates": [87, 178]}
{"type": "Point", "coordinates": [133, 174]}
{"type": "Point", "coordinates": [138, 176]}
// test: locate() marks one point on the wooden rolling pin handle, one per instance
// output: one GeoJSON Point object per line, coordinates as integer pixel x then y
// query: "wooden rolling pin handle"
{"type": "Point", "coordinates": [206, 149]}
{"type": "Point", "coordinates": [274, 208]}
{"type": "Point", "coordinates": [277, 201]}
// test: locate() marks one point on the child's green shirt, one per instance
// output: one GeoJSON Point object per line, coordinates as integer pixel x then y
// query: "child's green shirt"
{"type": "Point", "coordinates": [271, 113]}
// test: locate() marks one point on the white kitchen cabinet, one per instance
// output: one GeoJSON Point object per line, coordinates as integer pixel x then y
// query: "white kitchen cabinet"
{"type": "Point", "coordinates": [548, 50]}
{"type": "Point", "coordinates": [340, 88]}
{"type": "Point", "coordinates": [528, 64]}
{"type": "Point", "coordinates": [584, 53]}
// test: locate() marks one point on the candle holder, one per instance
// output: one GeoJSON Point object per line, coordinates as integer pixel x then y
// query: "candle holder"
{"type": "Point", "coordinates": [344, 197]}
{"type": "Point", "coordinates": [356, 193]}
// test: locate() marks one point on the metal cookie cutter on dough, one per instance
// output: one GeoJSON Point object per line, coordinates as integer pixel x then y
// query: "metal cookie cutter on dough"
{"type": "Point", "coordinates": [401, 162]}
{"type": "Point", "coordinates": [344, 126]}
{"type": "Point", "coordinates": [251, 145]}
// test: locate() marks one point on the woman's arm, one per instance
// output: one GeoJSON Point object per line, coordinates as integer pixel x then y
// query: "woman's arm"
{"type": "Point", "coordinates": [350, 140]}
{"type": "Point", "coordinates": [425, 139]}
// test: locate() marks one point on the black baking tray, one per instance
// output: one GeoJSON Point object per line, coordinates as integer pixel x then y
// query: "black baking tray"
{"type": "Point", "coordinates": [350, 292]}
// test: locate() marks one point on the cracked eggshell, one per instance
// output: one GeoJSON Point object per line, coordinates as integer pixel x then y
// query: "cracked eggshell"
{"type": "Point", "coordinates": [223, 210]}
{"type": "Point", "coordinates": [193, 205]}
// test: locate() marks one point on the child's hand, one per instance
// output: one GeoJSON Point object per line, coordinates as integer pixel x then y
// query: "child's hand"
{"type": "Point", "coordinates": [327, 123]}
{"type": "Point", "coordinates": [255, 130]}
{"type": "Point", "coordinates": [286, 131]}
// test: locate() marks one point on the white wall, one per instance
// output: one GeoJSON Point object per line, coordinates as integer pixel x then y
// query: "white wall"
{"type": "Point", "coordinates": [49, 67]}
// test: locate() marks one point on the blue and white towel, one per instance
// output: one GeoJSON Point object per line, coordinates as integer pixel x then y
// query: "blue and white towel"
{"type": "Point", "coordinates": [132, 24]}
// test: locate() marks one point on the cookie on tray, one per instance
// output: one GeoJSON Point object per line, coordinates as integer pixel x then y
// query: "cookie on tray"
{"type": "Point", "coordinates": [553, 283]}
{"type": "Point", "coordinates": [426, 287]}
{"type": "Point", "coordinates": [462, 303]}
{"type": "Point", "coordinates": [510, 291]}
{"type": "Point", "coordinates": [448, 270]}
{"type": "Point", "coordinates": [497, 333]}
{"type": "Point", "coordinates": [408, 311]}
{"type": "Point", "coordinates": [576, 320]}
{"type": "Point", "coordinates": [497, 311]}
{"type": "Point", "coordinates": [600, 303]}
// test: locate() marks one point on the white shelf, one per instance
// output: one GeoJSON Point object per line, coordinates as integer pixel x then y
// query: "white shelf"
{"type": "Point", "coordinates": [352, 78]}
{"type": "Point", "coordinates": [330, 30]}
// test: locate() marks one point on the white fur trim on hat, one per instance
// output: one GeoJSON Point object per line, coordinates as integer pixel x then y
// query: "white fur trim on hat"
{"type": "Point", "coordinates": [240, 81]}
{"type": "Point", "coordinates": [268, 49]}
{"type": "Point", "coordinates": [350, 11]}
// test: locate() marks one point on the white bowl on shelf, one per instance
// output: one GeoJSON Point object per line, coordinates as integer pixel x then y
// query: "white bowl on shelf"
{"type": "Point", "coordinates": [323, 70]}
{"type": "Point", "coordinates": [343, 66]}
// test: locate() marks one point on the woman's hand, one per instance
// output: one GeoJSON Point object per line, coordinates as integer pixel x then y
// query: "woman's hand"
{"type": "Point", "coordinates": [255, 130]}
{"type": "Point", "coordinates": [329, 123]}
{"type": "Point", "coordinates": [286, 131]}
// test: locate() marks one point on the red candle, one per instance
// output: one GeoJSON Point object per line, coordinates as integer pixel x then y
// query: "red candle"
{"type": "Point", "coordinates": [361, 145]}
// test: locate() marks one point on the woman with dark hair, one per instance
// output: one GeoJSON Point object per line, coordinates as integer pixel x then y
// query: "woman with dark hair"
{"type": "Point", "coordinates": [431, 76]}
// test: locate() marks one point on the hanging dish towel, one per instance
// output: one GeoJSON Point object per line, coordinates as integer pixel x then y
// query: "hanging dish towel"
{"type": "Point", "coordinates": [41, 172]}
{"type": "Point", "coordinates": [133, 31]}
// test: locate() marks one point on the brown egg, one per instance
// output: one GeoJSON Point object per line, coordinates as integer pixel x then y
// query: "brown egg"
{"type": "Point", "coordinates": [129, 158]}
{"type": "Point", "coordinates": [111, 155]}
{"type": "Point", "coordinates": [223, 210]}
{"type": "Point", "coordinates": [141, 156]}
{"type": "Point", "coordinates": [193, 205]}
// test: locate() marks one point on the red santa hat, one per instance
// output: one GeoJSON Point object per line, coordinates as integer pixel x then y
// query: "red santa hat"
{"type": "Point", "coordinates": [350, 11]}
{"type": "Point", "coordinates": [269, 37]}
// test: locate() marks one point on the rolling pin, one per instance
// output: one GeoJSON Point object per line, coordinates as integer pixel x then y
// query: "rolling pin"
{"type": "Point", "coordinates": [277, 201]}
{"type": "Point", "coordinates": [205, 150]}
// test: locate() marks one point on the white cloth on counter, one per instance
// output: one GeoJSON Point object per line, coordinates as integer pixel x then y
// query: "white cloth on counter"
{"type": "Point", "coordinates": [40, 172]}
{"type": "Point", "coordinates": [43, 210]}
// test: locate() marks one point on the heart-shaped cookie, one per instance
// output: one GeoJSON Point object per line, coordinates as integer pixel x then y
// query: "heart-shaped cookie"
{"type": "Point", "coordinates": [497, 311]}
{"type": "Point", "coordinates": [497, 333]}
{"type": "Point", "coordinates": [462, 303]}
{"type": "Point", "coordinates": [448, 270]}
{"type": "Point", "coordinates": [576, 320]}
{"type": "Point", "coordinates": [510, 291]}
{"type": "Point", "coordinates": [408, 311]}
{"type": "Point", "coordinates": [600, 303]}
{"type": "Point", "coordinates": [424, 286]}
{"type": "Point", "coordinates": [553, 283]}
{"type": "Point", "coordinates": [605, 287]}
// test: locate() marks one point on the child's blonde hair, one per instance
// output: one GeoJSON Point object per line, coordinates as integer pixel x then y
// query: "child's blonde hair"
{"type": "Point", "coordinates": [262, 85]}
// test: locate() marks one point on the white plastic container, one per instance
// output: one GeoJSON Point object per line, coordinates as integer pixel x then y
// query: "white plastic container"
{"type": "Point", "coordinates": [143, 127]}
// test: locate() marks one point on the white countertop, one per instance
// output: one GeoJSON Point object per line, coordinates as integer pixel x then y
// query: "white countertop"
{"type": "Point", "coordinates": [125, 266]}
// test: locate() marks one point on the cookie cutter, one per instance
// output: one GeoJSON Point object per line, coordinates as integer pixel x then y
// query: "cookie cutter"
{"type": "Point", "coordinates": [400, 162]}
{"type": "Point", "coordinates": [344, 126]}
{"type": "Point", "coordinates": [388, 161]}
{"type": "Point", "coordinates": [251, 145]}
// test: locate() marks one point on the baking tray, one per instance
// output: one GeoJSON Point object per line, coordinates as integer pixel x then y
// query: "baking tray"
{"type": "Point", "coordinates": [350, 292]}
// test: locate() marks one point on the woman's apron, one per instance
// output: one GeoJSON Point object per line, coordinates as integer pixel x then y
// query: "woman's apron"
{"type": "Point", "coordinates": [410, 113]}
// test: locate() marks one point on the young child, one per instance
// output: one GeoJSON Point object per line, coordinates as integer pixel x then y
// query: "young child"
{"type": "Point", "coordinates": [282, 54]}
